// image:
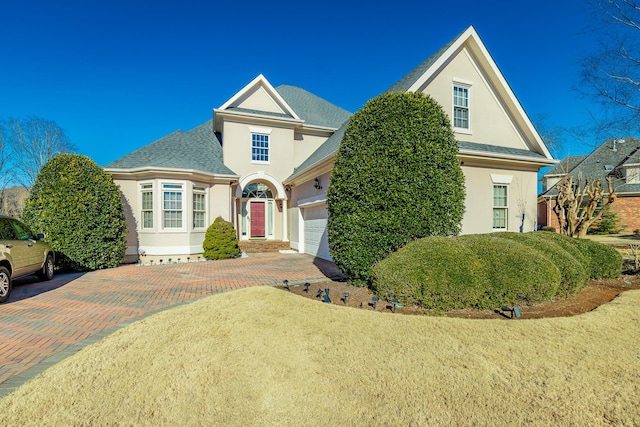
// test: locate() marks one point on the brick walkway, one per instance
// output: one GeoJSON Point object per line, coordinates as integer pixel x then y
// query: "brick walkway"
{"type": "Point", "coordinates": [44, 322]}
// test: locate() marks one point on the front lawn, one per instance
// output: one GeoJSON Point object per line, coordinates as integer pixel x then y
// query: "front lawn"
{"type": "Point", "coordinates": [261, 356]}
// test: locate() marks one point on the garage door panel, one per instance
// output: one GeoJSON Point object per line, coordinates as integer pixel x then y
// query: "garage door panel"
{"type": "Point", "coordinates": [316, 240]}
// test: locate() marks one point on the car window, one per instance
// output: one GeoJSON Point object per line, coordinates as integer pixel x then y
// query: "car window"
{"type": "Point", "coordinates": [6, 230]}
{"type": "Point", "coordinates": [23, 232]}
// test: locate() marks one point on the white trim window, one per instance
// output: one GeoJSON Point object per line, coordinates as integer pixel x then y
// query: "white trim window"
{"type": "Point", "coordinates": [146, 204]}
{"type": "Point", "coordinates": [199, 207]}
{"type": "Point", "coordinates": [172, 210]}
{"type": "Point", "coordinates": [259, 148]}
{"type": "Point", "coordinates": [633, 175]}
{"type": "Point", "coordinates": [461, 107]}
{"type": "Point", "coordinates": [500, 206]}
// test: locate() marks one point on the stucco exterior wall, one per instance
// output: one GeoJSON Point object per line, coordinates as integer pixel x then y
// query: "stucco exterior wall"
{"type": "Point", "coordinates": [479, 197]}
{"type": "Point", "coordinates": [237, 149]}
{"type": "Point", "coordinates": [489, 122]}
{"type": "Point", "coordinates": [159, 241]}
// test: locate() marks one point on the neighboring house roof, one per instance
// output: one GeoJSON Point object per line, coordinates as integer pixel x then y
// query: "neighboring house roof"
{"type": "Point", "coordinates": [604, 162]}
{"type": "Point", "coordinates": [566, 165]}
{"type": "Point", "coordinates": [314, 110]}
{"type": "Point", "coordinates": [198, 149]}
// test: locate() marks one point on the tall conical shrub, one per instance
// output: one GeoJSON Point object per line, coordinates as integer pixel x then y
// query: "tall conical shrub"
{"type": "Point", "coordinates": [220, 241]}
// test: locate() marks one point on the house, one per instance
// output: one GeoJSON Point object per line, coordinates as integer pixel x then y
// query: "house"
{"type": "Point", "coordinates": [616, 158]}
{"type": "Point", "coordinates": [264, 160]}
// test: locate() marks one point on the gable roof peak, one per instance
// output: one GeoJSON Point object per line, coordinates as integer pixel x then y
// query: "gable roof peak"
{"type": "Point", "coordinates": [260, 81]}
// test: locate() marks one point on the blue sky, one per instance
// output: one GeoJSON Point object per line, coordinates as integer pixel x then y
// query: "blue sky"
{"type": "Point", "coordinates": [117, 75]}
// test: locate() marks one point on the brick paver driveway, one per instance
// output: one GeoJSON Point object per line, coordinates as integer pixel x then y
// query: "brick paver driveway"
{"type": "Point", "coordinates": [43, 322]}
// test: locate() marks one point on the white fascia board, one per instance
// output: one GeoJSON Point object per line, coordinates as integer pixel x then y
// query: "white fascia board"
{"type": "Point", "coordinates": [146, 170]}
{"type": "Point", "coordinates": [506, 157]}
{"type": "Point", "coordinates": [261, 81]}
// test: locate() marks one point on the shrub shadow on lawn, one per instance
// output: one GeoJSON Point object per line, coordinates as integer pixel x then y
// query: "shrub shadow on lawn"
{"type": "Point", "coordinates": [30, 286]}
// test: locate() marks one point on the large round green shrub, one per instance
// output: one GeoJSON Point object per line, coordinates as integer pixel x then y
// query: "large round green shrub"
{"type": "Point", "coordinates": [80, 209]}
{"type": "Point", "coordinates": [396, 178]}
{"type": "Point", "coordinates": [220, 240]}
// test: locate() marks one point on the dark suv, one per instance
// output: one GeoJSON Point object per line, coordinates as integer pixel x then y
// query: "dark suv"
{"type": "Point", "coordinates": [22, 253]}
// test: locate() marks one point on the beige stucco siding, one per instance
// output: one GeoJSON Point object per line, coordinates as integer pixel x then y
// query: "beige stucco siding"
{"type": "Point", "coordinates": [259, 100]}
{"type": "Point", "coordinates": [478, 216]}
{"type": "Point", "coordinates": [237, 149]}
{"type": "Point", "coordinates": [489, 122]}
{"type": "Point", "coordinates": [160, 241]}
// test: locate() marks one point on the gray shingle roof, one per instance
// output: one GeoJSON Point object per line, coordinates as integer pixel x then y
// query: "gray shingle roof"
{"type": "Point", "coordinates": [408, 80]}
{"type": "Point", "coordinates": [314, 110]}
{"type": "Point", "coordinates": [198, 149]}
{"type": "Point", "coordinates": [495, 149]}
{"type": "Point", "coordinates": [603, 162]}
{"type": "Point", "coordinates": [566, 165]}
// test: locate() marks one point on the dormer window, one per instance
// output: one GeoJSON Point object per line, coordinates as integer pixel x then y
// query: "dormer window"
{"type": "Point", "coordinates": [633, 175]}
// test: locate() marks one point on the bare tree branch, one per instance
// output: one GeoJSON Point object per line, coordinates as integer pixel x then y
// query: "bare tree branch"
{"type": "Point", "coordinates": [33, 142]}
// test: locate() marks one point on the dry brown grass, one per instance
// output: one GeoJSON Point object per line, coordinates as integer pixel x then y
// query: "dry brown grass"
{"type": "Point", "coordinates": [261, 356]}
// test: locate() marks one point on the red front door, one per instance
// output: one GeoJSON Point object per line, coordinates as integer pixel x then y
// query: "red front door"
{"type": "Point", "coordinates": [257, 219]}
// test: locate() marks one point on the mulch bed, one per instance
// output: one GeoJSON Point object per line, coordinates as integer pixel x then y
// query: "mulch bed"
{"type": "Point", "coordinates": [596, 293]}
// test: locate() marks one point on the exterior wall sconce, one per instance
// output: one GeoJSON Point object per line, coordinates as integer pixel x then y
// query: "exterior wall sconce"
{"type": "Point", "coordinates": [316, 184]}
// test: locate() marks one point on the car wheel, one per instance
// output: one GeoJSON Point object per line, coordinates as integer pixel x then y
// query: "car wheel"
{"type": "Point", "coordinates": [5, 284]}
{"type": "Point", "coordinates": [47, 269]}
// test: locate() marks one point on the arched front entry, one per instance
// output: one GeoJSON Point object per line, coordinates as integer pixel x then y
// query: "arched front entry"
{"type": "Point", "coordinates": [262, 208]}
{"type": "Point", "coordinates": [258, 210]}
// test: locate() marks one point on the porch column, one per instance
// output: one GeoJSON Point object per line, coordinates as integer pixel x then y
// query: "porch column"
{"type": "Point", "coordinates": [285, 225]}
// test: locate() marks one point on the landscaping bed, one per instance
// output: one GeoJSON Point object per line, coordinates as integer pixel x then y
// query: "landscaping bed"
{"type": "Point", "coordinates": [596, 293]}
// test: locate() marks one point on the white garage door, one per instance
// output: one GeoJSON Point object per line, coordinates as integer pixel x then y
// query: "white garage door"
{"type": "Point", "coordinates": [316, 242]}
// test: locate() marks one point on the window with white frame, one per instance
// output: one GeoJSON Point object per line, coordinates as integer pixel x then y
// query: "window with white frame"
{"type": "Point", "coordinates": [500, 206]}
{"type": "Point", "coordinates": [172, 196]}
{"type": "Point", "coordinates": [199, 207]}
{"type": "Point", "coordinates": [633, 175]}
{"type": "Point", "coordinates": [259, 147]}
{"type": "Point", "coordinates": [147, 205]}
{"type": "Point", "coordinates": [460, 106]}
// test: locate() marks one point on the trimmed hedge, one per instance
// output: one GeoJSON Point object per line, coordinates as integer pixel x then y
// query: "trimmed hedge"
{"type": "Point", "coordinates": [220, 240]}
{"type": "Point", "coordinates": [574, 270]}
{"type": "Point", "coordinates": [488, 270]}
{"type": "Point", "coordinates": [396, 177]}
{"type": "Point", "coordinates": [80, 209]}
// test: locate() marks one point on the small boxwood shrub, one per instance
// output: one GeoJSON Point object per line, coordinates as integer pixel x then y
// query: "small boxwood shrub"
{"type": "Point", "coordinates": [480, 271]}
{"type": "Point", "coordinates": [575, 271]}
{"type": "Point", "coordinates": [220, 240]}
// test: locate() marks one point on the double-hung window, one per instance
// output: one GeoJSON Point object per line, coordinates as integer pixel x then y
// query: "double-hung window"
{"type": "Point", "coordinates": [147, 205]}
{"type": "Point", "coordinates": [199, 207]}
{"type": "Point", "coordinates": [500, 206]}
{"type": "Point", "coordinates": [172, 195]}
{"type": "Point", "coordinates": [461, 107]}
{"type": "Point", "coordinates": [259, 147]}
